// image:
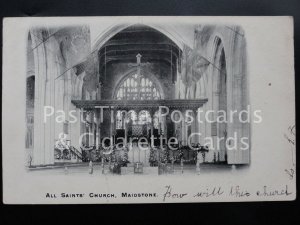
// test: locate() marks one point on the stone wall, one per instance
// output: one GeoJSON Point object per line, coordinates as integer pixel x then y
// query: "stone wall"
{"type": "Point", "coordinates": [56, 51]}
{"type": "Point", "coordinates": [233, 41]}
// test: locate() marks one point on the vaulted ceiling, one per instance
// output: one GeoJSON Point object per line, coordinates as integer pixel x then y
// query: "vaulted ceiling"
{"type": "Point", "coordinates": [139, 39]}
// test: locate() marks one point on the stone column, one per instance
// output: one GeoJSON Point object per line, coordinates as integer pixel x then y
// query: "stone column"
{"type": "Point", "coordinates": [45, 74]}
{"type": "Point", "coordinates": [97, 119]}
{"type": "Point", "coordinates": [184, 129]}
{"type": "Point", "coordinates": [86, 129]}
{"type": "Point", "coordinates": [237, 96]}
{"type": "Point", "coordinates": [93, 127]}
{"type": "Point", "coordinates": [151, 111]}
{"type": "Point", "coordinates": [76, 130]}
{"type": "Point", "coordinates": [40, 73]}
{"type": "Point", "coordinates": [85, 120]}
{"type": "Point", "coordinates": [196, 138]}
{"type": "Point", "coordinates": [125, 125]}
{"type": "Point", "coordinates": [112, 125]}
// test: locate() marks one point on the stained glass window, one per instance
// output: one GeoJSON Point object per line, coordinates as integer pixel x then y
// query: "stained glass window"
{"type": "Point", "coordinates": [138, 87]}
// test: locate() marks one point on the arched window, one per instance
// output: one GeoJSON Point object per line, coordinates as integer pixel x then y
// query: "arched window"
{"type": "Point", "coordinates": [219, 100]}
{"type": "Point", "coordinates": [138, 87]}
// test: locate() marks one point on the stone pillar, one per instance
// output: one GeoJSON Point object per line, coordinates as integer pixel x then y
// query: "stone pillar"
{"type": "Point", "coordinates": [151, 111]}
{"type": "Point", "coordinates": [195, 129]}
{"type": "Point", "coordinates": [88, 128]}
{"type": "Point", "coordinates": [184, 129]}
{"type": "Point", "coordinates": [92, 128]}
{"type": "Point", "coordinates": [84, 128]}
{"type": "Point", "coordinates": [75, 128]}
{"type": "Point", "coordinates": [40, 73]}
{"type": "Point", "coordinates": [113, 124]}
{"type": "Point", "coordinates": [45, 74]}
{"type": "Point", "coordinates": [97, 127]}
{"type": "Point", "coordinates": [237, 97]}
{"type": "Point", "coordinates": [201, 125]}
{"type": "Point", "coordinates": [125, 125]}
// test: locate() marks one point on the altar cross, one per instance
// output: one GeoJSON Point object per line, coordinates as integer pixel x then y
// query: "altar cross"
{"type": "Point", "coordinates": [138, 64]}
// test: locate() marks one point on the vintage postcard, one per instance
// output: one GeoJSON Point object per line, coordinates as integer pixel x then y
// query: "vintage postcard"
{"type": "Point", "coordinates": [148, 110]}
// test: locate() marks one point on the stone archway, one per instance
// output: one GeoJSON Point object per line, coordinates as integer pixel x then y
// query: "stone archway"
{"type": "Point", "coordinates": [219, 100]}
{"type": "Point", "coordinates": [114, 29]}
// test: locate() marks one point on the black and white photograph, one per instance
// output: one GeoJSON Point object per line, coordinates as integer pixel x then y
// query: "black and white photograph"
{"type": "Point", "coordinates": [143, 100]}
{"type": "Point", "coordinates": [148, 109]}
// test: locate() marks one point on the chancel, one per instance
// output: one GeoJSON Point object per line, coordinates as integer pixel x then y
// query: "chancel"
{"type": "Point", "coordinates": [136, 91]}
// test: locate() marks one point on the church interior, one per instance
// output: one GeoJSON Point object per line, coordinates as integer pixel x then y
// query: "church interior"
{"type": "Point", "coordinates": [117, 79]}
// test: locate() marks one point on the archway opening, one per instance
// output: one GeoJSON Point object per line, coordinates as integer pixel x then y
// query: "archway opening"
{"type": "Point", "coordinates": [219, 128]}
{"type": "Point", "coordinates": [158, 55]}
